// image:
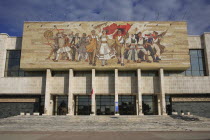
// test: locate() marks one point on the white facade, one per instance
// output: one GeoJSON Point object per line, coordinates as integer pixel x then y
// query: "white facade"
{"type": "Point", "coordinates": [104, 85]}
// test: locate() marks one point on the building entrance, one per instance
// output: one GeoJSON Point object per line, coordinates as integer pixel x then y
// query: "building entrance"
{"type": "Point", "coordinates": [82, 105]}
{"type": "Point", "coordinates": [105, 105]}
{"type": "Point", "coordinates": [127, 105]}
{"type": "Point", "coordinates": [150, 105]}
{"type": "Point", "coordinates": [60, 105]}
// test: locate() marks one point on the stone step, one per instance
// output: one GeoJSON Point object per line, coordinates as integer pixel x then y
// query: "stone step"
{"type": "Point", "coordinates": [104, 123]}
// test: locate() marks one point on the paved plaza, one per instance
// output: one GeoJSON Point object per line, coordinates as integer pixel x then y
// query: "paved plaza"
{"type": "Point", "coordinates": [122, 135]}
{"type": "Point", "coordinates": [105, 123]}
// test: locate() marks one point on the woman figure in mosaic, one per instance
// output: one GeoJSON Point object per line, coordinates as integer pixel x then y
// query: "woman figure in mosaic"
{"type": "Point", "coordinates": [104, 52]}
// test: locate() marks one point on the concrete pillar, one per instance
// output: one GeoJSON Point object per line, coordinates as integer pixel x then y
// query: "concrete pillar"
{"type": "Point", "coordinates": [3, 50]}
{"type": "Point", "coordinates": [56, 106]}
{"type": "Point", "coordinates": [93, 96]}
{"type": "Point", "coordinates": [159, 104]}
{"type": "Point", "coordinates": [206, 41]}
{"type": "Point", "coordinates": [70, 94]}
{"type": "Point", "coordinates": [116, 92]}
{"type": "Point", "coordinates": [139, 96]}
{"type": "Point", "coordinates": [162, 92]}
{"type": "Point", "coordinates": [48, 104]}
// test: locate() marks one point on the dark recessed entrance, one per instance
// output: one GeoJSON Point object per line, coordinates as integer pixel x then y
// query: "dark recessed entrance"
{"type": "Point", "coordinates": [150, 106]}
{"type": "Point", "coordinates": [127, 105]}
{"type": "Point", "coordinates": [60, 105]}
{"type": "Point", "coordinates": [105, 105]}
{"type": "Point", "coordinates": [82, 104]}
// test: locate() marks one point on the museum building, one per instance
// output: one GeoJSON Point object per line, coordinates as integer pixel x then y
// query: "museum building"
{"type": "Point", "coordinates": [99, 90]}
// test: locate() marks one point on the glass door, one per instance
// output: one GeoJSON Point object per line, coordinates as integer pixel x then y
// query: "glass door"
{"type": "Point", "coordinates": [105, 105]}
{"type": "Point", "coordinates": [60, 104]}
{"type": "Point", "coordinates": [82, 105]}
{"type": "Point", "coordinates": [127, 105]}
{"type": "Point", "coordinates": [149, 104]}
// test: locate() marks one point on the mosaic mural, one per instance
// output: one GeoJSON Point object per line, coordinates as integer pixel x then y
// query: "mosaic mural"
{"type": "Point", "coordinates": [105, 45]}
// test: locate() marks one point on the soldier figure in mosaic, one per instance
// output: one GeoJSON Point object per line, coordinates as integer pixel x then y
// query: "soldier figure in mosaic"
{"type": "Point", "coordinates": [75, 46]}
{"type": "Point", "coordinates": [120, 47]}
{"type": "Point", "coordinates": [63, 44]}
{"type": "Point", "coordinates": [158, 48]}
{"type": "Point", "coordinates": [131, 47]}
{"type": "Point", "coordinates": [54, 46]}
{"type": "Point", "coordinates": [148, 46]}
{"type": "Point", "coordinates": [92, 47]}
{"type": "Point", "coordinates": [140, 48]}
{"type": "Point", "coordinates": [82, 54]}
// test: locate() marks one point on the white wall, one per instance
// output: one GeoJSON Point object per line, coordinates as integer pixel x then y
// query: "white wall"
{"type": "Point", "coordinates": [104, 84]}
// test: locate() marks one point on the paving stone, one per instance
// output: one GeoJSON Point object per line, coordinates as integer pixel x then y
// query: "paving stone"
{"type": "Point", "coordinates": [105, 123]}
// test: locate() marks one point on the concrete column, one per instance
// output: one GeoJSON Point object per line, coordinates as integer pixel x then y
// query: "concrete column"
{"type": "Point", "coordinates": [48, 105]}
{"type": "Point", "coordinates": [116, 92]}
{"type": "Point", "coordinates": [56, 104]}
{"type": "Point", "coordinates": [162, 92]}
{"type": "Point", "coordinates": [206, 42]}
{"type": "Point", "coordinates": [139, 96]}
{"type": "Point", "coordinates": [93, 96]}
{"type": "Point", "coordinates": [70, 94]}
{"type": "Point", "coordinates": [3, 52]}
{"type": "Point", "coordinates": [159, 104]}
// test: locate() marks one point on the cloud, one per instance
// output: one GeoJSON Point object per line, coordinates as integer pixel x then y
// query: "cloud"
{"type": "Point", "coordinates": [13, 13]}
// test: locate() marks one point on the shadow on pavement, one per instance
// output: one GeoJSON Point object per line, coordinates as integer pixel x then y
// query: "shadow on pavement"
{"type": "Point", "coordinates": [185, 118]}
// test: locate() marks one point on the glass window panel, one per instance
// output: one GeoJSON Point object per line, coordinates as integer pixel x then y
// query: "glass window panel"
{"type": "Point", "coordinates": [197, 67]}
{"type": "Point", "coordinates": [104, 73]}
{"type": "Point", "coordinates": [103, 102]}
{"type": "Point", "coordinates": [12, 73]}
{"type": "Point", "coordinates": [80, 107]}
{"type": "Point", "coordinates": [12, 67]}
{"type": "Point", "coordinates": [144, 74]}
{"type": "Point", "coordinates": [13, 54]}
{"type": "Point", "coordinates": [195, 64]}
{"type": "Point", "coordinates": [152, 74]}
{"type": "Point", "coordinates": [112, 108]}
{"type": "Point", "coordinates": [60, 73]}
{"type": "Point", "coordinates": [195, 73]}
{"type": "Point", "coordinates": [82, 99]}
{"type": "Point", "coordinates": [102, 108]}
{"type": "Point", "coordinates": [166, 73]}
{"type": "Point", "coordinates": [149, 73]}
{"type": "Point", "coordinates": [182, 73]}
{"type": "Point", "coordinates": [127, 73]}
{"type": "Point", "coordinates": [147, 97]}
{"type": "Point", "coordinates": [193, 53]}
{"type": "Point", "coordinates": [188, 73]}
{"type": "Point", "coordinates": [190, 68]}
{"type": "Point", "coordinates": [83, 105]}
{"type": "Point", "coordinates": [200, 53]}
{"type": "Point", "coordinates": [13, 64]}
{"type": "Point", "coordinates": [104, 105]}
{"type": "Point", "coordinates": [21, 73]}
{"type": "Point", "coordinates": [82, 73]}
{"type": "Point", "coordinates": [173, 73]}
{"type": "Point", "coordinates": [34, 73]}
{"type": "Point", "coordinates": [201, 63]}
{"type": "Point", "coordinates": [202, 73]}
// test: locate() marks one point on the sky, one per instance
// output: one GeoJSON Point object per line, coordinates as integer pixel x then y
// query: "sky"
{"type": "Point", "coordinates": [13, 13]}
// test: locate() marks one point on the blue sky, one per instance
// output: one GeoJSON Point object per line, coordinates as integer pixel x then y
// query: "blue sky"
{"type": "Point", "coordinates": [14, 12]}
